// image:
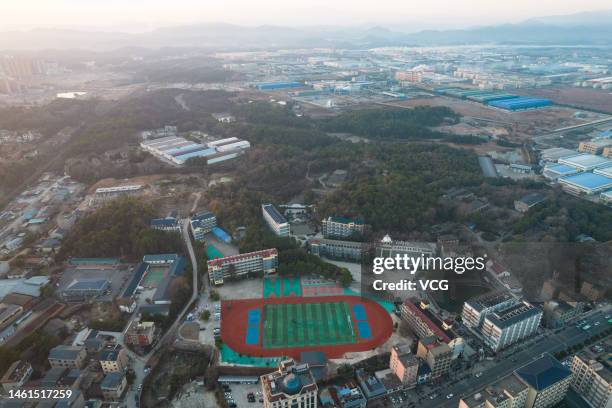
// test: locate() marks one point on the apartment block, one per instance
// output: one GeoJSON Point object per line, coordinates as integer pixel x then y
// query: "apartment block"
{"type": "Point", "coordinates": [548, 381]}
{"type": "Point", "coordinates": [404, 365]}
{"type": "Point", "coordinates": [507, 326]}
{"type": "Point", "coordinates": [592, 376]}
{"type": "Point", "coordinates": [67, 356]}
{"type": "Point", "coordinates": [475, 310]}
{"type": "Point", "coordinates": [438, 355]}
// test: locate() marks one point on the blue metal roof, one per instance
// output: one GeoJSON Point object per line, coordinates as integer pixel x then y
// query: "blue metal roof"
{"type": "Point", "coordinates": [543, 372]}
{"type": "Point", "coordinates": [98, 284]}
{"type": "Point", "coordinates": [273, 212]}
{"type": "Point", "coordinates": [520, 103]}
{"type": "Point", "coordinates": [589, 180]}
{"type": "Point", "coordinates": [561, 168]}
{"type": "Point", "coordinates": [141, 268]}
{"type": "Point", "coordinates": [163, 222]}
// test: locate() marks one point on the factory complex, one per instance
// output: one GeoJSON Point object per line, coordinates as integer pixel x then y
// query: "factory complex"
{"type": "Point", "coordinates": [178, 150]}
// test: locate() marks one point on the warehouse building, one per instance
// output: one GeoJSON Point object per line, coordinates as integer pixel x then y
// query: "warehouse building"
{"type": "Point", "coordinates": [520, 103]}
{"type": "Point", "coordinates": [507, 326]}
{"type": "Point", "coordinates": [555, 153]}
{"type": "Point", "coordinates": [275, 220]}
{"type": "Point", "coordinates": [220, 269]}
{"type": "Point", "coordinates": [586, 183]}
{"type": "Point", "coordinates": [178, 150]}
{"type": "Point", "coordinates": [604, 171]}
{"type": "Point", "coordinates": [585, 161]}
{"type": "Point", "coordinates": [272, 86]}
{"type": "Point", "coordinates": [555, 171]}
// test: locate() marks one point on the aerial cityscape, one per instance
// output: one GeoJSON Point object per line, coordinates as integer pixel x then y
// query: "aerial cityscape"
{"type": "Point", "coordinates": [269, 207]}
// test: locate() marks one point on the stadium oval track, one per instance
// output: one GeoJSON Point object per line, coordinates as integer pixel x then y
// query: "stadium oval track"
{"type": "Point", "coordinates": [243, 329]}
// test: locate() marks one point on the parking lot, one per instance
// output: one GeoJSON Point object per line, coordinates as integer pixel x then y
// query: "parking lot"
{"type": "Point", "coordinates": [239, 394]}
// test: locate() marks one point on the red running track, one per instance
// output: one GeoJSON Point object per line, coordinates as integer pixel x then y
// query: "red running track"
{"type": "Point", "coordinates": [235, 321]}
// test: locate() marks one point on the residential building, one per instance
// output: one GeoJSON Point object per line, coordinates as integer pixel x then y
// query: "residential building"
{"type": "Point", "coordinates": [236, 266]}
{"type": "Point", "coordinates": [425, 323]}
{"type": "Point", "coordinates": [475, 310]}
{"type": "Point", "coordinates": [113, 385]}
{"type": "Point", "coordinates": [592, 376]}
{"type": "Point", "coordinates": [335, 249]}
{"type": "Point", "coordinates": [508, 392]}
{"type": "Point", "coordinates": [348, 395]}
{"type": "Point", "coordinates": [60, 377]}
{"type": "Point", "coordinates": [438, 355]}
{"type": "Point", "coordinates": [140, 333]}
{"type": "Point", "coordinates": [16, 376]}
{"type": "Point", "coordinates": [404, 364]}
{"type": "Point", "coordinates": [548, 381]}
{"type": "Point", "coordinates": [201, 224]}
{"type": "Point", "coordinates": [370, 384]}
{"type": "Point", "coordinates": [342, 227]}
{"type": "Point", "coordinates": [113, 359]}
{"type": "Point", "coordinates": [67, 356]}
{"type": "Point", "coordinates": [528, 202]}
{"type": "Point", "coordinates": [275, 220]}
{"type": "Point", "coordinates": [507, 326]}
{"type": "Point", "coordinates": [292, 385]}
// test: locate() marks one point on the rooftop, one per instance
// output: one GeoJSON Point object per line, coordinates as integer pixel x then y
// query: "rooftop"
{"type": "Point", "coordinates": [273, 212]}
{"type": "Point", "coordinates": [489, 299]}
{"type": "Point", "coordinates": [513, 314]}
{"type": "Point", "coordinates": [588, 180]}
{"type": "Point", "coordinates": [585, 161]}
{"type": "Point", "coordinates": [62, 352]}
{"type": "Point", "coordinates": [543, 372]}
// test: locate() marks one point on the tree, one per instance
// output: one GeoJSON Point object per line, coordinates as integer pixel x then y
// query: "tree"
{"type": "Point", "coordinates": [205, 315]}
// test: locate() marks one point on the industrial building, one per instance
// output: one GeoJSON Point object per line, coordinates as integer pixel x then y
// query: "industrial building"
{"type": "Point", "coordinates": [292, 385]}
{"type": "Point", "coordinates": [273, 86]}
{"type": "Point", "coordinates": [520, 103]}
{"type": "Point", "coordinates": [586, 183]}
{"type": "Point", "coordinates": [475, 310]}
{"type": "Point", "coordinates": [585, 161]}
{"type": "Point", "coordinates": [341, 227]}
{"type": "Point", "coordinates": [604, 171]}
{"type": "Point", "coordinates": [555, 171]}
{"type": "Point", "coordinates": [504, 327]}
{"type": "Point", "coordinates": [178, 150]}
{"type": "Point", "coordinates": [265, 261]}
{"type": "Point", "coordinates": [201, 224]}
{"type": "Point", "coordinates": [592, 376]}
{"type": "Point", "coordinates": [548, 381]}
{"type": "Point", "coordinates": [555, 153]}
{"type": "Point", "coordinates": [275, 220]}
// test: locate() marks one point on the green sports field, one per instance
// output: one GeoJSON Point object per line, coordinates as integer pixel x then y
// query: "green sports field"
{"type": "Point", "coordinates": [307, 324]}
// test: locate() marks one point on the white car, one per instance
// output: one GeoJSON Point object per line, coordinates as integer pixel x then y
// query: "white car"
{"type": "Point", "coordinates": [449, 396]}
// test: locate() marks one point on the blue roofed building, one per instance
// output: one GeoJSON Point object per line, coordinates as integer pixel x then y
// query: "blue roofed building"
{"type": "Point", "coordinates": [555, 171]}
{"type": "Point", "coordinates": [201, 224]}
{"type": "Point", "coordinates": [275, 220]}
{"type": "Point", "coordinates": [586, 183]}
{"type": "Point", "coordinates": [166, 224]}
{"type": "Point", "coordinates": [520, 103]}
{"type": "Point", "coordinates": [548, 381]}
{"type": "Point", "coordinates": [586, 161]}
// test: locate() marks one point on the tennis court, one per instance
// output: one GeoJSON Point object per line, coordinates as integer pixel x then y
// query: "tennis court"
{"type": "Point", "coordinates": [154, 277]}
{"type": "Point", "coordinates": [307, 324]}
{"type": "Point", "coordinates": [213, 253]}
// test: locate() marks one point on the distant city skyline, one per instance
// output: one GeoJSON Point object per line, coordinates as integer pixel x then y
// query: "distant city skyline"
{"type": "Point", "coordinates": [140, 15]}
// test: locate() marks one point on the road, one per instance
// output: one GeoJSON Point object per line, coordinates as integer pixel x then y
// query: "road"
{"type": "Point", "coordinates": [139, 362]}
{"type": "Point", "coordinates": [465, 383]}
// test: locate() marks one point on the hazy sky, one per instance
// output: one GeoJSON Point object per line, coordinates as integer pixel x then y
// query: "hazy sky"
{"type": "Point", "coordinates": [140, 15]}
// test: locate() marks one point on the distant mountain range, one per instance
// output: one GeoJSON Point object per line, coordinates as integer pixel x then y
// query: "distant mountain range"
{"type": "Point", "coordinates": [592, 28]}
